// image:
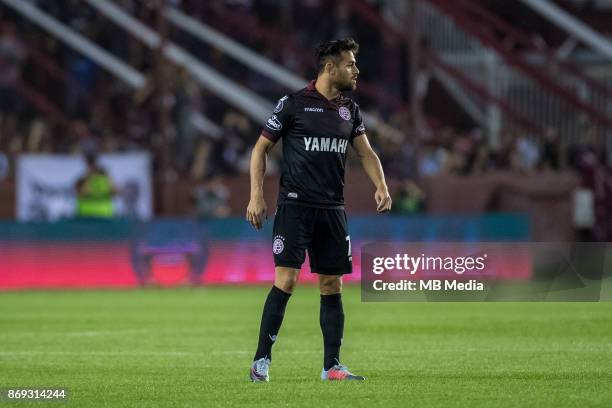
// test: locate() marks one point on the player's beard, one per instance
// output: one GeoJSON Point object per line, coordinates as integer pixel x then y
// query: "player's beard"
{"type": "Point", "coordinates": [346, 85]}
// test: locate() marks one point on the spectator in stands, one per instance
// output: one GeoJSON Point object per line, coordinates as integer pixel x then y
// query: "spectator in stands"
{"type": "Point", "coordinates": [409, 199]}
{"type": "Point", "coordinates": [402, 162]}
{"type": "Point", "coordinates": [211, 198]}
{"type": "Point", "coordinates": [182, 110]}
{"type": "Point", "coordinates": [200, 165]}
{"type": "Point", "coordinates": [525, 155]}
{"type": "Point", "coordinates": [313, 20]}
{"type": "Point", "coordinates": [4, 166]}
{"type": "Point", "coordinates": [432, 159]}
{"type": "Point", "coordinates": [482, 161]}
{"type": "Point", "coordinates": [458, 160]}
{"type": "Point", "coordinates": [423, 81]}
{"type": "Point", "coordinates": [83, 141]}
{"type": "Point", "coordinates": [12, 54]}
{"type": "Point", "coordinates": [95, 191]}
{"type": "Point", "coordinates": [231, 153]}
{"type": "Point", "coordinates": [82, 70]}
{"type": "Point", "coordinates": [39, 137]}
{"type": "Point", "coordinates": [593, 196]}
{"type": "Point", "coordinates": [551, 151]}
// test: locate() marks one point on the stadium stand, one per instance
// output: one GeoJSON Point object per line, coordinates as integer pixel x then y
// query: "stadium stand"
{"type": "Point", "coordinates": [554, 128]}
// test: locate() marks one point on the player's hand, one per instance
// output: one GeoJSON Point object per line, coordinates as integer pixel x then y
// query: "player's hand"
{"type": "Point", "coordinates": [256, 212]}
{"type": "Point", "coordinates": [383, 200]}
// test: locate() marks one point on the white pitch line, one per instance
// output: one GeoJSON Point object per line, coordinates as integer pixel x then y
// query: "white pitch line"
{"type": "Point", "coordinates": [104, 332]}
{"type": "Point", "coordinates": [143, 353]}
{"type": "Point", "coordinates": [101, 353]}
{"type": "Point", "coordinates": [241, 352]}
{"type": "Point", "coordinates": [89, 333]}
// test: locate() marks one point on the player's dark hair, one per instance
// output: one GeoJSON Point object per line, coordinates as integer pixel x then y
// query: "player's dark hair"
{"type": "Point", "coordinates": [91, 159]}
{"type": "Point", "coordinates": [332, 50]}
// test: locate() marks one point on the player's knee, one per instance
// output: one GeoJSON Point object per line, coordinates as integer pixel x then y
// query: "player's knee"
{"type": "Point", "coordinates": [286, 283]}
{"type": "Point", "coordinates": [286, 280]}
{"type": "Point", "coordinates": [330, 285]}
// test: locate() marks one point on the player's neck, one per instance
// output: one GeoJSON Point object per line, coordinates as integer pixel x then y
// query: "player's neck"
{"type": "Point", "coordinates": [326, 89]}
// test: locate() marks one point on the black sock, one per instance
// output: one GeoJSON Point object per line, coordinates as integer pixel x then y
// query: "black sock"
{"type": "Point", "coordinates": [271, 319]}
{"type": "Point", "coordinates": [332, 326]}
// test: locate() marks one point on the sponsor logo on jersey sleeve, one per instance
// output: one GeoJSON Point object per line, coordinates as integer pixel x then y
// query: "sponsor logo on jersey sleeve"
{"type": "Point", "coordinates": [281, 102]}
{"type": "Point", "coordinates": [344, 113]}
{"type": "Point", "coordinates": [360, 129]}
{"type": "Point", "coordinates": [273, 123]}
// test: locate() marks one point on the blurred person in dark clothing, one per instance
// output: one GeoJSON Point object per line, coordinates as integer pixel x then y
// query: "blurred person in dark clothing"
{"type": "Point", "coordinates": [551, 151]}
{"type": "Point", "coordinates": [482, 161]}
{"type": "Point", "coordinates": [83, 141]}
{"type": "Point", "coordinates": [12, 54]}
{"type": "Point", "coordinates": [5, 167]}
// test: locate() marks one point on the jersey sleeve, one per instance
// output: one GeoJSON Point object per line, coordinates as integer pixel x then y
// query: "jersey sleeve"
{"type": "Point", "coordinates": [279, 122]}
{"type": "Point", "coordinates": [358, 125]}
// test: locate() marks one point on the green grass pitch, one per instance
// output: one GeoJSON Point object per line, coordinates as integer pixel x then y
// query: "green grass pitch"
{"type": "Point", "coordinates": [193, 348]}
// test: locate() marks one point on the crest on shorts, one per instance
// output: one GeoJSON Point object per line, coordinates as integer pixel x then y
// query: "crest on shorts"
{"type": "Point", "coordinates": [278, 245]}
{"type": "Point", "coordinates": [344, 113]}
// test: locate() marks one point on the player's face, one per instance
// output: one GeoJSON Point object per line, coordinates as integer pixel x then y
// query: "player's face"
{"type": "Point", "coordinates": [346, 72]}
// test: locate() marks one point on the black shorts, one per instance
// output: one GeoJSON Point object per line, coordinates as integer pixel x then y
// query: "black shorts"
{"type": "Point", "coordinates": [323, 232]}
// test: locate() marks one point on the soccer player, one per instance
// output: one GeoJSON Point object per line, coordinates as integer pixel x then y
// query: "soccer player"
{"type": "Point", "coordinates": [316, 124]}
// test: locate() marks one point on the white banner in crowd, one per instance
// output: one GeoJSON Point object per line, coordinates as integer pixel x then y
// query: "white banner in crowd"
{"type": "Point", "coordinates": [46, 185]}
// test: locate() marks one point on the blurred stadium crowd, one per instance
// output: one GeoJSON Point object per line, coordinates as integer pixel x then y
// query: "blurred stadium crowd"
{"type": "Point", "coordinates": [53, 99]}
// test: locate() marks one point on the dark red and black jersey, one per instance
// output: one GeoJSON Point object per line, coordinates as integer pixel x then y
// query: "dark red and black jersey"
{"type": "Point", "coordinates": [316, 133]}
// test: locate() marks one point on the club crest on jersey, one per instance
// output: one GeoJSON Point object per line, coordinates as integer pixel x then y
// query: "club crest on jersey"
{"type": "Point", "coordinates": [278, 245]}
{"type": "Point", "coordinates": [280, 104]}
{"type": "Point", "coordinates": [344, 113]}
{"type": "Point", "coordinates": [273, 123]}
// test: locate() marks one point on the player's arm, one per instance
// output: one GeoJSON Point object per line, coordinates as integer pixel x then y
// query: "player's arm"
{"type": "Point", "coordinates": [256, 211]}
{"type": "Point", "coordinates": [373, 168]}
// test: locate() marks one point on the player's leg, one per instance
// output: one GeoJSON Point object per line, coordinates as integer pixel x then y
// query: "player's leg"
{"type": "Point", "coordinates": [331, 318]}
{"type": "Point", "coordinates": [274, 310]}
{"type": "Point", "coordinates": [290, 241]}
{"type": "Point", "coordinates": [272, 319]}
{"type": "Point", "coordinates": [330, 257]}
{"type": "Point", "coordinates": [332, 327]}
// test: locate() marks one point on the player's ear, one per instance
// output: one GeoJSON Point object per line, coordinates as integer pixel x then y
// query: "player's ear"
{"type": "Point", "coordinates": [329, 67]}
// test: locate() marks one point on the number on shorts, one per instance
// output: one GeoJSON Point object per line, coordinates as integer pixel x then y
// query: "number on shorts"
{"type": "Point", "coordinates": [348, 238]}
